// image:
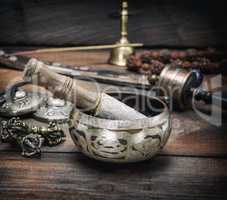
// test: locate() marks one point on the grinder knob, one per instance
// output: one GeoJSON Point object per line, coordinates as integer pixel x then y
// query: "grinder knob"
{"type": "Point", "coordinates": [210, 97]}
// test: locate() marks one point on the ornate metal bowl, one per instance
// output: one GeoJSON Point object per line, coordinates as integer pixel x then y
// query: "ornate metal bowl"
{"type": "Point", "coordinates": [123, 141]}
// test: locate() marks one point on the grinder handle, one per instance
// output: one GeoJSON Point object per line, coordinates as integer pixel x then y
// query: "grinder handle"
{"type": "Point", "coordinates": [212, 97]}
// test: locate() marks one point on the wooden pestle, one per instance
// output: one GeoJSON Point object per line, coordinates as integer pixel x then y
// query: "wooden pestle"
{"type": "Point", "coordinates": [101, 104]}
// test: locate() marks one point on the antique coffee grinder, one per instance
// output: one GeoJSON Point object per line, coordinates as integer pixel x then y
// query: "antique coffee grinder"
{"type": "Point", "coordinates": [182, 87]}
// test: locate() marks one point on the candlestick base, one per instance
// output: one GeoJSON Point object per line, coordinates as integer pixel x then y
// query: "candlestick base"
{"type": "Point", "coordinates": [119, 55]}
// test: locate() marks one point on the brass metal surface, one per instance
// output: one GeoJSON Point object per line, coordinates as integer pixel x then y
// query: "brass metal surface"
{"type": "Point", "coordinates": [120, 54]}
{"type": "Point", "coordinates": [177, 83]}
{"type": "Point", "coordinates": [29, 137]}
{"type": "Point", "coordinates": [82, 48]}
{"type": "Point", "coordinates": [124, 141]}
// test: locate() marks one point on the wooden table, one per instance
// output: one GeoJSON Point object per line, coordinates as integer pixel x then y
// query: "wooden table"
{"type": "Point", "coordinates": [192, 165]}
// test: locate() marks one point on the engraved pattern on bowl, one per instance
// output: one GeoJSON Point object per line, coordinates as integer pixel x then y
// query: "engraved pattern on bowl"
{"type": "Point", "coordinates": [122, 141]}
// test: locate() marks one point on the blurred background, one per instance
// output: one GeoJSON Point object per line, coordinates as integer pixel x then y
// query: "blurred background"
{"type": "Point", "coordinates": [156, 23]}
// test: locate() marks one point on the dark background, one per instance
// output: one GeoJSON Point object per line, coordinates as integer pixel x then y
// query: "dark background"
{"type": "Point", "coordinates": [169, 23]}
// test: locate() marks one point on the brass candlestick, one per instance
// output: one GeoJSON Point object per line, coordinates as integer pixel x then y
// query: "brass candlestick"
{"type": "Point", "coordinates": [120, 54]}
{"type": "Point", "coordinates": [120, 50]}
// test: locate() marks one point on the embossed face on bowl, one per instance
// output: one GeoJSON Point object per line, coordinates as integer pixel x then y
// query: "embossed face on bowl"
{"type": "Point", "coordinates": [107, 145]}
{"type": "Point", "coordinates": [147, 142]}
{"type": "Point", "coordinates": [102, 143]}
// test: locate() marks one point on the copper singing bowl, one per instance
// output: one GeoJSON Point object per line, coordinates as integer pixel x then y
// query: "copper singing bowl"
{"type": "Point", "coordinates": [123, 141]}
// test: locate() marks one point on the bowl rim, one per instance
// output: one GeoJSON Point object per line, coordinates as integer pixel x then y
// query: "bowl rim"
{"type": "Point", "coordinates": [110, 124]}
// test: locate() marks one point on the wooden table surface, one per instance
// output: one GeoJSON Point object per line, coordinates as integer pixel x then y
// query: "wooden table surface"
{"type": "Point", "coordinates": [193, 164]}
